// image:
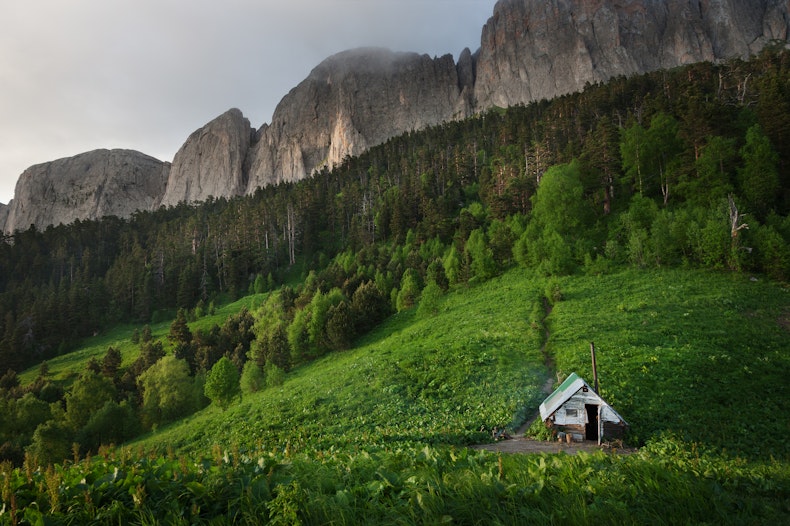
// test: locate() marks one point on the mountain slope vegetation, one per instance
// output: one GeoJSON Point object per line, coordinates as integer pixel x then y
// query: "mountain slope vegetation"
{"type": "Point", "coordinates": [685, 140]}
{"type": "Point", "coordinates": [407, 302]}
{"type": "Point", "coordinates": [377, 433]}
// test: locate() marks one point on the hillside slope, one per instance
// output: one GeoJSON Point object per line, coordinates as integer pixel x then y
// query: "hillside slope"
{"type": "Point", "coordinates": [677, 350]}
{"type": "Point", "coordinates": [695, 361]}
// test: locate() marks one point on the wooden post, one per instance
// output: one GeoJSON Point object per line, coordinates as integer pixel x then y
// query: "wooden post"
{"type": "Point", "coordinates": [595, 368]}
{"type": "Point", "coordinates": [597, 388]}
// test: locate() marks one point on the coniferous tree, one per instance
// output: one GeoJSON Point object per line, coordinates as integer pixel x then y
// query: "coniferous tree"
{"type": "Point", "coordinates": [340, 330]}
{"type": "Point", "coordinates": [759, 177]}
{"type": "Point", "coordinates": [111, 362]}
{"type": "Point", "coordinates": [181, 338]}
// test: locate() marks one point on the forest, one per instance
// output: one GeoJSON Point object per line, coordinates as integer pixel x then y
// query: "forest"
{"type": "Point", "coordinates": [684, 168]}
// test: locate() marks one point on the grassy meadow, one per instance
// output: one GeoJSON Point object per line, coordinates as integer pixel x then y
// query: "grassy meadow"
{"type": "Point", "coordinates": [431, 380]}
{"type": "Point", "coordinates": [699, 354]}
{"type": "Point", "coordinates": [67, 367]}
{"type": "Point", "coordinates": [695, 361]}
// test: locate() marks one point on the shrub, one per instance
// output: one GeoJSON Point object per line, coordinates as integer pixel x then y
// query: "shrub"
{"type": "Point", "coordinates": [773, 253]}
{"type": "Point", "coordinates": [409, 290]}
{"type": "Point", "coordinates": [340, 326]}
{"type": "Point", "coordinates": [553, 293]}
{"type": "Point", "coordinates": [168, 391]}
{"type": "Point", "coordinates": [222, 383]}
{"type": "Point", "coordinates": [252, 378]}
{"type": "Point", "coordinates": [429, 300]}
{"type": "Point", "coordinates": [112, 424]}
{"type": "Point", "coordinates": [51, 444]}
{"type": "Point", "coordinates": [275, 376]}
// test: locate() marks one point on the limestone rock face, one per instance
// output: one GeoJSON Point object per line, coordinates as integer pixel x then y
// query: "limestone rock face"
{"type": "Point", "coordinates": [87, 186]}
{"type": "Point", "coordinates": [350, 102]}
{"type": "Point", "coordinates": [536, 49]}
{"type": "Point", "coordinates": [3, 215]}
{"type": "Point", "coordinates": [530, 50]}
{"type": "Point", "coordinates": [211, 161]}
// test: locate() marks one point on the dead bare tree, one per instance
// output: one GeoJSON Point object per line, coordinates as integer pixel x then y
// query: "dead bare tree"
{"type": "Point", "coordinates": [736, 219]}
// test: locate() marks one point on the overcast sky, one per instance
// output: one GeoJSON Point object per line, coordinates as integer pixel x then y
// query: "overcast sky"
{"type": "Point", "coordinates": [77, 75]}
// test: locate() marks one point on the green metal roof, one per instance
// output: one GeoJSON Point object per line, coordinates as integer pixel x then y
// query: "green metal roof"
{"type": "Point", "coordinates": [564, 386]}
{"type": "Point", "coordinates": [566, 389]}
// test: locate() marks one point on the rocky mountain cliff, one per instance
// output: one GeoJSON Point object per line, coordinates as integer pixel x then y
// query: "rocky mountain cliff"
{"type": "Point", "coordinates": [211, 161]}
{"type": "Point", "coordinates": [3, 214]}
{"type": "Point", "coordinates": [355, 100]}
{"type": "Point", "coordinates": [539, 49]}
{"type": "Point", "coordinates": [530, 50]}
{"type": "Point", "coordinates": [90, 185]}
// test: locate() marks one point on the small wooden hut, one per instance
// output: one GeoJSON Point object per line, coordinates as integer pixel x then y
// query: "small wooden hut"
{"type": "Point", "coordinates": [575, 409]}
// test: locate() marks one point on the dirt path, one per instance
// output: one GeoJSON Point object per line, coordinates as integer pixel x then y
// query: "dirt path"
{"type": "Point", "coordinates": [521, 444]}
{"type": "Point", "coordinates": [548, 361]}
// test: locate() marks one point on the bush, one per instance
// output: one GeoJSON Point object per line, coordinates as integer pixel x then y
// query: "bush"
{"type": "Point", "coordinates": [773, 253]}
{"type": "Point", "coordinates": [252, 378]}
{"type": "Point", "coordinates": [553, 293]}
{"type": "Point", "coordinates": [429, 300]}
{"type": "Point", "coordinates": [274, 375]}
{"type": "Point", "coordinates": [51, 444]}
{"type": "Point", "coordinates": [222, 383]}
{"type": "Point", "coordinates": [409, 292]}
{"type": "Point", "coordinates": [538, 430]}
{"type": "Point", "coordinates": [340, 329]}
{"type": "Point", "coordinates": [483, 265]}
{"type": "Point", "coordinates": [168, 391]}
{"type": "Point", "coordinates": [112, 424]}
{"type": "Point", "coordinates": [370, 306]}
{"type": "Point", "coordinates": [557, 255]}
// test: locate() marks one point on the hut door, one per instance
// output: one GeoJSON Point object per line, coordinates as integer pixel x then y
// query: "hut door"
{"type": "Point", "coordinates": [591, 429]}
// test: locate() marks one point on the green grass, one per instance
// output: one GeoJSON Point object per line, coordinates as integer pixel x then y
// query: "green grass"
{"type": "Point", "coordinates": [695, 361]}
{"type": "Point", "coordinates": [704, 355]}
{"type": "Point", "coordinates": [435, 380]}
{"type": "Point", "coordinates": [67, 367]}
{"type": "Point", "coordinates": [697, 354]}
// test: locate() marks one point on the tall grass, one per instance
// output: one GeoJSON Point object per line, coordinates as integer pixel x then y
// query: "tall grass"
{"type": "Point", "coordinates": [663, 484]}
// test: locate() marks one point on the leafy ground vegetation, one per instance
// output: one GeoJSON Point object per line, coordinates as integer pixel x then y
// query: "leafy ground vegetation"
{"type": "Point", "coordinates": [325, 351]}
{"type": "Point", "coordinates": [377, 433]}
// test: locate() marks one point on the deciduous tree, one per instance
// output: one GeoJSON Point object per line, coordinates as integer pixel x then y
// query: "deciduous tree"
{"type": "Point", "coordinates": [222, 383]}
{"type": "Point", "coordinates": [168, 391]}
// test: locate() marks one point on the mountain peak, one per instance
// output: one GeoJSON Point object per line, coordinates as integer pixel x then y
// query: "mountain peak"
{"type": "Point", "coordinates": [540, 49]}
{"type": "Point", "coordinates": [353, 100]}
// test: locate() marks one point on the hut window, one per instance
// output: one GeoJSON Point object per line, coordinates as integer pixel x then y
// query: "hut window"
{"type": "Point", "coordinates": [571, 412]}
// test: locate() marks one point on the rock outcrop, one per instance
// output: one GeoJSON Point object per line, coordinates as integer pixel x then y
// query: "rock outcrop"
{"type": "Point", "coordinates": [530, 50]}
{"type": "Point", "coordinates": [211, 161]}
{"type": "Point", "coordinates": [540, 49]}
{"type": "Point", "coordinates": [4, 215]}
{"type": "Point", "coordinates": [90, 185]}
{"type": "Point", "coordinates": [352, 101]}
